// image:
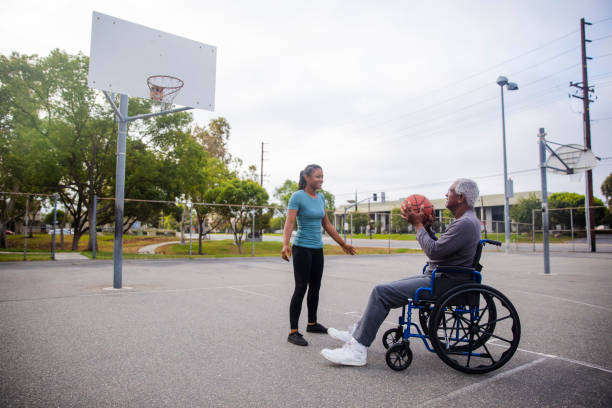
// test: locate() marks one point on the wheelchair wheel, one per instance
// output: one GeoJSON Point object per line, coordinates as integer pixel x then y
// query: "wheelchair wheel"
{"type": "Point", "coordinates": [453, 319]}
{"type": "Point", "coordinates": [399, 356]}
{"type": "Point", "coordinates": [392, 336]}
{"type": "Point", "coordinates": [475, 329]}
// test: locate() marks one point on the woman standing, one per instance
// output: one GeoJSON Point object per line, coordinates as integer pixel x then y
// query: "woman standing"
{"type": "Point", "coordinates": [308, 206]}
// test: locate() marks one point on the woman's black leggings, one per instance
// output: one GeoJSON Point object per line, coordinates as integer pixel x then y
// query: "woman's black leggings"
{"type": "Point", "coordinates": [308, 271]}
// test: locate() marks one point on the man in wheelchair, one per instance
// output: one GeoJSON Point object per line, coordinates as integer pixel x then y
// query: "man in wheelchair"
{"type": "Point", "coordinates": [456, 246]}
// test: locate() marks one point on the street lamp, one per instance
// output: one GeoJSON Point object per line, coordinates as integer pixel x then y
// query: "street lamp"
{"type": "Point", "coordinates": [511, 86]}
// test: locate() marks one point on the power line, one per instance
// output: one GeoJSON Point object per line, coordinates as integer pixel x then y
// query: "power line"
{"type": "Point", "coordinates": [449, 114]}
{"type": "Point", "coordinates": [454, 83]}
{"type": "Point", "coordinates": [602, 20]}
{"type": "Point", "coordinates": [601, 38]}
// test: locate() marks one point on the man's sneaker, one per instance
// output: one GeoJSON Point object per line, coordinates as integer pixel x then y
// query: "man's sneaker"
{"type": "Point", "coordinates": [297, 339]}
{"type": "Point", "coordinates": [343, 336]}
{"type": "Point", "coordinates": [316, 328]}
{"type": "Point", "coordinates": [351, 354]}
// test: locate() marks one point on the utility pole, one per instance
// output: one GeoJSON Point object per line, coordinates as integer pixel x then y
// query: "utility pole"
{"type": "Point", "coordinates": [261, 167]}
{"type": "Point", "coordinates": [584, 86]}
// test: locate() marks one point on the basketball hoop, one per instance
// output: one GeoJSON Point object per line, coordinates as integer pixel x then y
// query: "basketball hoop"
{"type": "Point", "coordinates": [571, 159]}
{"type": "Point", "coordinates": [164, 88]}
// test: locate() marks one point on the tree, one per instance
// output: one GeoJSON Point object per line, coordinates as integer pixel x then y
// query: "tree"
{"type": "Point", "coordinates": [360, 220]}
{"type": "Point", "coordinates": [522, 211]}
{"type": "Point", "coordinates": [214, 138]}
{"type": "Point", "coordinates": [241, 194]}
{"type": "Point", "coordinates": [284, 192]}
{"type": "Point", "coordinates": [24, 121]}
{"type": "Point", "coordinates": [606, 189]}
{"type": "Point", "coordinates": [399, 224]}
{"type": "Point", "coordinates": [576, 202]}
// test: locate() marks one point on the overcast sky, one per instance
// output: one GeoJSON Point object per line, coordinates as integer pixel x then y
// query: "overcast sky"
{"type": "Point", "coordinates": [394, 96]}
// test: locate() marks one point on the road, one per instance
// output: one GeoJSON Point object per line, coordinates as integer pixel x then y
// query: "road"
{"type": "Point", "coordinates": [604, 243]}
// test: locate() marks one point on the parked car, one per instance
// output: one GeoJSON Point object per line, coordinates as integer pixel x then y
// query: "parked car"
{"type": "Point", "coordinates": [9, 232]}
{"type": "Point", "coordinates": [67, 231]}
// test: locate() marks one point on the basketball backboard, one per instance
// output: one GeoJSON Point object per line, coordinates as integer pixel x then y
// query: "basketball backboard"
{"type": "Point", "coordinates": [576, 157]}
{"type": "Point", "coordinates": [138, 61]}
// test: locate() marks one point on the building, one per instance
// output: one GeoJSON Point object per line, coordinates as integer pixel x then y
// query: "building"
{"type": "Point", "coordinates": [489, 208]}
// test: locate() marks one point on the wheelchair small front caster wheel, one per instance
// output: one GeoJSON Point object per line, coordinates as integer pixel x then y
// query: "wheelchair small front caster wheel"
{"type": "Point", "coordinates": [392, 336]}
{"type": "Point", "coordinates": [399, 356]}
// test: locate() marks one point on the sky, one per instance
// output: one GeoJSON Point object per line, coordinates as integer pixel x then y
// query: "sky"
{"type": "Point", "coordinates": [390, 96]}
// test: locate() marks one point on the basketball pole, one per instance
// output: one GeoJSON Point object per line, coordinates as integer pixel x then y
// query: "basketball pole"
{"type": "Point", "coordinates": [119, 191]}
{"type": "Point", "coordinates": [545, 238]}
{"type": "Point", "coordinates": [122, 118]}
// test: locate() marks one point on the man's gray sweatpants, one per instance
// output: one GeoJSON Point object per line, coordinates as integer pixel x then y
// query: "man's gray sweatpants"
{"type": "Point", "coordinates": [383, 298]}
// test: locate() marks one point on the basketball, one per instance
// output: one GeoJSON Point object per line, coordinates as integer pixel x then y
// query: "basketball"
{"type": "Point", "coordinates": [415, 201]}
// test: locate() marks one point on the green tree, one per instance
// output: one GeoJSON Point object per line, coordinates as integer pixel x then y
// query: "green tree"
{"type": "Point", "coordinates": [283, 193]}
{"type": "Point", "coordinates": [237, 196]}
{"type": "Point", "coordinates": [399, 224]}
{"type": "Point", "coordinates": [25, 165]}
{"type": "Point", "coordinates": [606, 189]}
{"type": "Point", "coordinates": [522, 211]}
{"type": "Point", "coordinates": [560, 201]}
{"type": "Point", "coordinates": [360, 220]}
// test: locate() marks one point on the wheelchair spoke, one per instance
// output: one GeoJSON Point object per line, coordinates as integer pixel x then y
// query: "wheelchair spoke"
{"type": "Point", "coordinates": [489, 353]}
{"type": "Point", "coordinates": [495, 321]}
{"type": "Point", "coordinates": [497, 337]}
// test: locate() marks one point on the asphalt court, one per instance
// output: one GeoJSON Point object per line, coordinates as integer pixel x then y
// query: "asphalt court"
{"type": "Point", "coordinates": [213, 333]}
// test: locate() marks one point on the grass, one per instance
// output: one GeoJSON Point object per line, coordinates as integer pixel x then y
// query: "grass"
{"type": "Point", "coordinates": [226, 248]}
{"type": "Point", "coordinates": [42, 243]}
{"type": "Point", "coordinates": [39, 248]}
{"type": "Point", "coordinates": [15, 257]}
{"type": "Point", "coordinates": [394, 236]}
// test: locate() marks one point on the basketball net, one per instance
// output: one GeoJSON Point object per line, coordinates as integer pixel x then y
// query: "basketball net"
{"type": "Point", "coordinates": [164, 88]}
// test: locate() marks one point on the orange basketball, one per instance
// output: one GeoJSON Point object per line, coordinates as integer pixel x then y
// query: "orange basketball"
{"type": "Point", "coordinates": [415, 201]}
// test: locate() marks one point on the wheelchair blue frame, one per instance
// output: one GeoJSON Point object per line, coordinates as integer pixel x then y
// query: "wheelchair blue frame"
{"type": "Point", "coordinates": [405, 319]}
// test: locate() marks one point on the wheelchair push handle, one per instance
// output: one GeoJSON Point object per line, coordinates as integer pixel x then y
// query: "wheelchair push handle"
{"type": "Point", "coordinates": [490, 241]}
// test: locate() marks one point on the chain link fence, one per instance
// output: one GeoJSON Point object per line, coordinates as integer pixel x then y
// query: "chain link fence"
{"type": "Point", "coordinates": [36, 226]}
{"type": "Point", "coordinates": [567, 230]}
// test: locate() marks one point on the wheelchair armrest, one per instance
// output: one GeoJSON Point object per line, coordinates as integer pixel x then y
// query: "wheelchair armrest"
{"type": "Point", "coordinates": [425, 267]}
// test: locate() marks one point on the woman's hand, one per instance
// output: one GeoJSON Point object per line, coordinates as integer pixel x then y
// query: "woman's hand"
{"type": "Point", "coordinates": [349, 249]}
{"type": "Point", "coordinates": [286, 252]}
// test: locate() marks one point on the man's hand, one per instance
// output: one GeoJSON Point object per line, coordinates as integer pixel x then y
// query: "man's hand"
{"type": "Point", "coordinates": [416, 218]}
{"type": "Point", "coordinates": [286, 252]}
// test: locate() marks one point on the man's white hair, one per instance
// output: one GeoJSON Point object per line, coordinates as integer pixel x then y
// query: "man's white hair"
{"type": "Point", "coordinates": [469, 189]}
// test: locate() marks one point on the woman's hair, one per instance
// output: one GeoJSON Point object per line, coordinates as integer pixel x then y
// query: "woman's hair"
{"type": "Point", "coordinates": [469, 189]}
{"type": "Point", "coordinates": [307, 172]}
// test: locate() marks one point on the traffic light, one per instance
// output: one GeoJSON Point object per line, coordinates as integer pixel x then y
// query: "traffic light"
{"type": "Point", "coordinates": [374, 197]}
{"type": "Point", "coordinates": [382, 197]}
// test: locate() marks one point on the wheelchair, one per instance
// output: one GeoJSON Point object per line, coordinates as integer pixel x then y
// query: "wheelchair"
{"type": "Point", "coordinates": [472, 327]}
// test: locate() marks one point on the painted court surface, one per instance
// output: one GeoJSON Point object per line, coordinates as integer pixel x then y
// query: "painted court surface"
{"type": "Point", "coordinates": [213, 333]}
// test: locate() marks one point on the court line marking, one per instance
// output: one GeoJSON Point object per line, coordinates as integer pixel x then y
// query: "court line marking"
{"type": "Point", "coordinates": [552, 356]}
{"type": "Point", "coordinates": [471, 387]}
{"type": "Point", "coordinates": [566, 300]}
{"type": "Point", "coordinates": [250, 292]}
{"type": "Point", "coordinates": [136, 291]}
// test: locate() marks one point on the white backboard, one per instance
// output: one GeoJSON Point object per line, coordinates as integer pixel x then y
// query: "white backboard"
{"type": "Point", "coordinates": [576, 157]}
{"type": "Point", "coordinates": [123, 55]}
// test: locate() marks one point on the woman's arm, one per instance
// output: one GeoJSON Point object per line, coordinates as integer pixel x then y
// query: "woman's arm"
{"type": "Point", "coordinates": [289, 223]}
{"type": "Point", "coordinates": [349, 249]}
